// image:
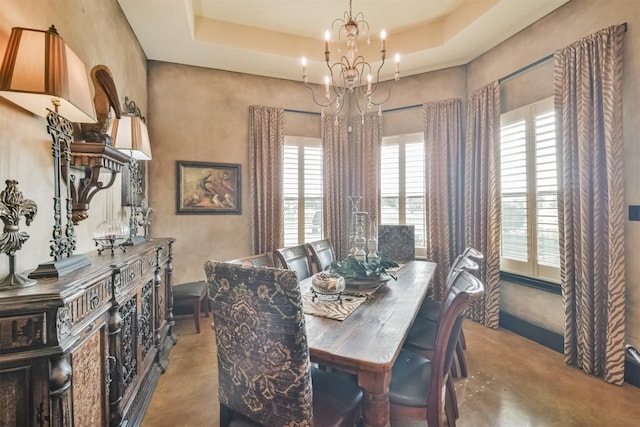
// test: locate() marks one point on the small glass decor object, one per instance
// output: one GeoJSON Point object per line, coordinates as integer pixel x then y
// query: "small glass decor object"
{"type": "Point", "coordinates": [111, 235]}
{"type": "Point", "coordinates": [360, 241]}
{"type": "Point", "coordinates": [372, 243]}
{"type": "Point", "coordinates": [327, 283]}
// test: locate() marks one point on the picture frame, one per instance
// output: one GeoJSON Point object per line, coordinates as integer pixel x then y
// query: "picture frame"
{"type": "Point", "coordinates": [205, 188]}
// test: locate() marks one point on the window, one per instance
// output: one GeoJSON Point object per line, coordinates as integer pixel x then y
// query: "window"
{"type": "Point", "coordinates": [402, 179]}
{"type": "Point", "coordinates": [302, 188]}
{"type": "Point", "coordinates": [530, 245]}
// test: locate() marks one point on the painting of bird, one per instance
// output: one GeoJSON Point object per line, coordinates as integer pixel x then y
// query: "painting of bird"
{"type": "Point", "coordinates": [209, 186]}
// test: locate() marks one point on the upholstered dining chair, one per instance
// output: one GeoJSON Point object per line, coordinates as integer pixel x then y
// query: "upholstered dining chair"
{"type": "Point", "coordinates": [321, 253]}
{"type": "Point", "coordinates": [265, 377]}
{"type": "Point", "coordinates": [260, 260]}
{"type": "Point", "coordinates": [397, 242]}
{"type": "Point", "coordinates": [420, 387]}
{"type": "Point", "coordinates": [294, 258]}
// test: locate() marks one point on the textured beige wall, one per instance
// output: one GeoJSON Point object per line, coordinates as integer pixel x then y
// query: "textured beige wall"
{"type": "Point", "coordinates": [200, 114]}
{"type": "Point", "coordinates": [571, 22]}
{"type": "Point", "coordinates": [99, 34]}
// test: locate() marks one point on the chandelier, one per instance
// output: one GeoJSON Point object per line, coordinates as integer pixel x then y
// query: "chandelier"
{"type": "Point", "coordinates": [351, 76]}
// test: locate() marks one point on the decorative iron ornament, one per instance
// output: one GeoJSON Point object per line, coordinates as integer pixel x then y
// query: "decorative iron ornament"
{"type": "Point", "coordinates": [12, 206]}
{"type": "Point", "coordinates": [130, 107]}
{"type": "Point", "coordinates": [144, 218]}
{"type": "Point", "coordinates": [62, 248]}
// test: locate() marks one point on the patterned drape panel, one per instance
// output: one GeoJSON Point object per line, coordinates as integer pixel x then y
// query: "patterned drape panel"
{"type": "Point", "coordinates": [444, 186]}
{"type": "Point", "coordinates": [336, 209]}
{"type": "Point", "coordinates": [482, 196]}
{"type": "Point", "coordinates": [266, 147]}
{"type": "Point", "coordinates": [588, 102]}
{"type": "Point", "coordinates": [365, 165]}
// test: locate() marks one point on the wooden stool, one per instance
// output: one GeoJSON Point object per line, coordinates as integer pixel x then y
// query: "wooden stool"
{"type": "Point", "coordinates": [192, 295]}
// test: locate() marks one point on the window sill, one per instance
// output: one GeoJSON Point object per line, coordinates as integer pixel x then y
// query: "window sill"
{"type": "Point", "coordinates": [531, 282]}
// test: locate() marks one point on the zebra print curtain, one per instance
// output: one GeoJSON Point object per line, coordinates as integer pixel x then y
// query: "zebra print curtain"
{"type": "Point", "coordinates": [482, 201]}
{"type": "Point", "coordinates": [365, 164]}
{"type": "Point", "coordinates": [444, 186]}
{"type": "Point", "coordinates": [335, 204]}
{"type": "Point", "coordinates": [266, 151]}
{"type": "Point", "coordinates": [588, 103]}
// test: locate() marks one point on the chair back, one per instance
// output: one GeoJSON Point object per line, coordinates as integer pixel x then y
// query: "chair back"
{"type": "Point", "coordinates": [473, 253]}
{"type": "Point", "coordinates": [465, 288]}
{"type": "Point", "coordinates": [263, 355]}
{"type": "Point", "coordinates": [261, 260]}
{"type": "Point", "coordinates": [397, 242]}
{"type": "Point", "coordinates": [460, 263]}
{"type": "Point", "coordinates": [294, 258]}
{"type": "Point", "coordinates": [321, 254]}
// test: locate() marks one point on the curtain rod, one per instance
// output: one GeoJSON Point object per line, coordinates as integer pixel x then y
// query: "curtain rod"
{"type": "Point", "coordinates": [538, 62]}
{"type": "Point", "coordinates": [390, 110]}
{"type": "Point", "coordinates": [407, 107]}
{"type": "Point", "coordinates": [313, 113]}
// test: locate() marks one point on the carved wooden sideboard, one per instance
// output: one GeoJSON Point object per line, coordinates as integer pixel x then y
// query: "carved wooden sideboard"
{"type": "Point", "coordinates": [87, 349]}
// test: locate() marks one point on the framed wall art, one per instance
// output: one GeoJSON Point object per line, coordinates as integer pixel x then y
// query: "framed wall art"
{"type": "Point", "coordinates": [208, 188]}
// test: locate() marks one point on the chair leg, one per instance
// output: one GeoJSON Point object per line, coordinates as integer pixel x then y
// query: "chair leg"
{"type": "Point", "coordinates": [451, 397]}
{"type": "Point", "coordinates": [204, 304]}
{"type": "Point", "coordinates": [454, 368]}
{"type": "Point", "coordinates": [196, 315]}
{"type": "Point", "coordinates": [448, 411]}
{"type": "Point", "coordinates": [463, 341]}
{"type": "Point", "coordinates": [461, 359]}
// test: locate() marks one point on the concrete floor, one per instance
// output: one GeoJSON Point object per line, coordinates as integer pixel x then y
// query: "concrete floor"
{"type": "Point", "coordinates": [512, 382]}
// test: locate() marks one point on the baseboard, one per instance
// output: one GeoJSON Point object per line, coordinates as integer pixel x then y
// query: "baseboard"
{"type": "Point", "coordinates": [533, 332]}
{"type": "Point", "coordinates": [555, 342]}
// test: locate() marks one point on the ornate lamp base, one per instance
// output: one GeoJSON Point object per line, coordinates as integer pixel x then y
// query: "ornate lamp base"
{"type": "Point", "coordinates": [15, 281]}
{"type": "Point", "coordinates": [60, 268]}
{"type": "Point", "coordinates": [133, 241]}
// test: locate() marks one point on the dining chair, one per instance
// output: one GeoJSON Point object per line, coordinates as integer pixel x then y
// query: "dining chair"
{"type": "Point", "coordinates": [397, 242]}
{"type": "Point", "coordinates": [321, 253]}
{"type": "Point", "coordinates": [260, 260]}
{"type": "Point", "coordinates": [421, 387]}
{"type": "Point", "coordinates": [431, 308]}
{"type": "Point", "coordinates": [294, 258]}
{"type": "Point", "coordinates": [265, 377]}
{"type": "Point", "coordinates": [422, 335]}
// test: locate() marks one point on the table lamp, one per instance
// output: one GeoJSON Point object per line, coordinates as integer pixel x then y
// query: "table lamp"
{"type": "Point", "coordinates": [40, 72]}
{"type": "Point", "coordinates": [129, 134]}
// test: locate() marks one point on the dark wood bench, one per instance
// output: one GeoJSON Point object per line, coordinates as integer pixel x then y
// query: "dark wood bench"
{"type": "Point", "coordinates": [193, 295]}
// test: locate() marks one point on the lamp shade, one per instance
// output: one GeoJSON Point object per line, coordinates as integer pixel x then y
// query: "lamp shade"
{"type": "Point", "coordinates": [40, 71]}
{"type": "Point", "coordinates": [130, 135]}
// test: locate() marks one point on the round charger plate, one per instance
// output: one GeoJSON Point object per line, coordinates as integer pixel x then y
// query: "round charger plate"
{"type": "Point", "coordinates": [362, 284]}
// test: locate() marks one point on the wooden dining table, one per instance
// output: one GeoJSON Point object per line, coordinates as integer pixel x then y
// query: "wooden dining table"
{"type": "Point", "coordinates": [368, 341]}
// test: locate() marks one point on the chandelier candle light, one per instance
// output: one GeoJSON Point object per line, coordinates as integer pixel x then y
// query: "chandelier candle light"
{"type": "Point", "coordinates": [352, 75]}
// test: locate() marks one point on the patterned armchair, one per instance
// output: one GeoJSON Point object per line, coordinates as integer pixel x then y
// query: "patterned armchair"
{"type": "Point", "coordinates": [264, 372]}
{"type": "Point", "coordinates": [397, 242]}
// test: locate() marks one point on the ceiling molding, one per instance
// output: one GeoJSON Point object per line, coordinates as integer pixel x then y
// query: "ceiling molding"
{"type": "Point", "coordinates": [268, 37]}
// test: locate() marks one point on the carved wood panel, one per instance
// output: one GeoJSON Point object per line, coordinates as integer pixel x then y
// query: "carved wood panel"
{"type": "Point", "coordinates": [22, 332]}
{"type": "Point", "coordinates": [128, 313]}
{"type": "Point", "coordinates": [89, 378]}
{"type": "Point", "coordinates": [146, 324]}
{"type": "Point", "coordinates": [14, 399]}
